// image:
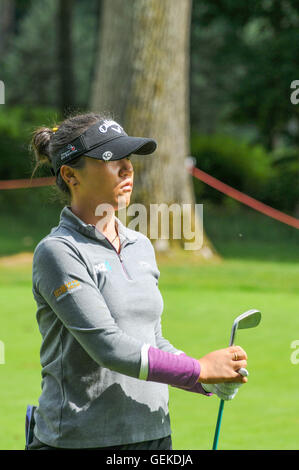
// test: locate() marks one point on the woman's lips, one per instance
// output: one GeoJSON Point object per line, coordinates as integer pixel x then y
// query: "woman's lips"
{"type": "Point", "coordinates": [127, 186]}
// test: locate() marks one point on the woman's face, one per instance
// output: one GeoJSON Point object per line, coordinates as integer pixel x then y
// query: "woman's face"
{"type": "Point", "coordinates": [108, 182]}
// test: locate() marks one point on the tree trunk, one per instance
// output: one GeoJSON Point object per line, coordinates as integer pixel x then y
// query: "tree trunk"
{"type": "Point", "coordinates": [143, 80]}
{"type": "Point", "coordinates": [65, 55]}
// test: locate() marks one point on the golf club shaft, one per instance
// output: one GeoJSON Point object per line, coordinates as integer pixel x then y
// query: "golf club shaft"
{"type": "Point", "coordinates": [221, 406]}
{"type": "Point", "coordinates": [240, 322]}
{"type": "Point", "coordinates": [218, 425]}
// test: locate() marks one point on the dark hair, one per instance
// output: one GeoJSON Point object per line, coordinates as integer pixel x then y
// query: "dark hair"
{"type": "Point", "coordinates": [46, 142]}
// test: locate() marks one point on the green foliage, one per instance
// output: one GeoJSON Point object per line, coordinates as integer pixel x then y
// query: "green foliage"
{"type": "Point", "coordinates": [32, 56]}
{"type": "Point", "coordinates": [282, 189]}
{"type": "Point", "coordinates": [237, 163]}
{"type": "Point", "coordinates": [262, 95]}
{"type": "Point", "coordinates": [243, 60]}
{"type": "Point", "coordinates": [16, 127]}
{"type": "Point", "coordinates": [269, 177]}
{"type": "Point", "coordinates": [17, 161]}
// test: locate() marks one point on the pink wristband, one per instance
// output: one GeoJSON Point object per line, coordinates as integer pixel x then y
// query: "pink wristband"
{"type": "Point", "coordinates": [172, 369]}
{"type": "Point", "coordinates": [197, 388]}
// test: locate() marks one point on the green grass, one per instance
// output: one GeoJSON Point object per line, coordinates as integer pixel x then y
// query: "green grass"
{"type": "Point", "coordinates": [197, 318]}
{"type": "Point", "coordinates": [240, 232]}
{"type": "Point", "coordinates": [260, 269]}
{"type": "Point", "coordinates": [27, 215]}
{"type": "Point", "coordinates": [200, 303]}
{"type": "Point", "coordinates": [20, 375]}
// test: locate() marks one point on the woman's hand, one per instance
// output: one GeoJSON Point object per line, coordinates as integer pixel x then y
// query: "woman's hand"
{"type": "Point", "coordinates": [222, 366]}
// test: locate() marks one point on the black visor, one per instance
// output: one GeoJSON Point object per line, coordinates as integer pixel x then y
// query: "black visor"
{"type": "Point", "coordinates": [105, 140]}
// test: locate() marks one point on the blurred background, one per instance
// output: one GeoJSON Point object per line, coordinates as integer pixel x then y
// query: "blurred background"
{"type": "Point", "coordinates": [224, 97]}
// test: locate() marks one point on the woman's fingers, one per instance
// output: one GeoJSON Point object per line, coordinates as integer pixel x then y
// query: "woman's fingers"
{"type": "Point", "coordinates": [222, 365]}
{"type": "Point", "coordinates": [239, 360]}
{"type": "Point", "coordinates": [239, 364]}
{"type": "Point", "coordinates": [238, 378]}
{"type": "Point", "coordinates": [237, 353]}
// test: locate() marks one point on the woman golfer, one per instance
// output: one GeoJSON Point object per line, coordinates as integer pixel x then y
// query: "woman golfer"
{"type": "Point", "coordinates": [105, 364]}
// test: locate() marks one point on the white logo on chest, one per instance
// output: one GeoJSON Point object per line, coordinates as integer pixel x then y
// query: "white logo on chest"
{"type": "Point", "coordinates": [102, 267]}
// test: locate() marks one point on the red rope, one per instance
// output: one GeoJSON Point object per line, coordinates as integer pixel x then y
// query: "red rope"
{"type": "Point", "coordinates": [197, 173]}
{"type": "Point", "coordinates": [27, 183]}
{"type": "Point", "coordinates": [244, 198]}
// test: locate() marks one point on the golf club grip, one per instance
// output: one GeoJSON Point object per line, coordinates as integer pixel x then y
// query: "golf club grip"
{"type": "Point", "coordinates": [243, 372]}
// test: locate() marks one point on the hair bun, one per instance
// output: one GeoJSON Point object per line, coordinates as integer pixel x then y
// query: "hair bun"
{"type": "Point", "coordinates": [40, 143]}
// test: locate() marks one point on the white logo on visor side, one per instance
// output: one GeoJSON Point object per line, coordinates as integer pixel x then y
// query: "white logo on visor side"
{"type": "Point", "coordinates": [70, 150]}
{"type": "Point", "coordinates": [107, 124]}
{"type": "Point", "coordinates": [107, 155]}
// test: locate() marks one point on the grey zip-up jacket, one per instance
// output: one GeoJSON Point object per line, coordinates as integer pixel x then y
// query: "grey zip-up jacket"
{"type": "Point", "coordinates": [96, 309]}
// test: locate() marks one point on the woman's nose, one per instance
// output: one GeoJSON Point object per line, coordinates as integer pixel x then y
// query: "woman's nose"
{"type": "Point", "coordinates": [126, 166]}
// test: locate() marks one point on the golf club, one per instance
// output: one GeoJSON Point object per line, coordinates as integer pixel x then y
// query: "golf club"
{"type": "Point", "coordinates": [248, 319]}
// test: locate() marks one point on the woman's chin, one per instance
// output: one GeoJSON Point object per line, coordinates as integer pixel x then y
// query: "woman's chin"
{"type": "Point", "coordinates": [123, 201]}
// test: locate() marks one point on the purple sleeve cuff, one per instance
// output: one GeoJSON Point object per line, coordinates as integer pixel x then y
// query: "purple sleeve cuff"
{"type": "Point", "coordinates": [177, 370]}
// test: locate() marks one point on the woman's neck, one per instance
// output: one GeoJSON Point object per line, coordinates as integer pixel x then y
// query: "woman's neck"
{"type": "Point", "coordinates": [106, 224]}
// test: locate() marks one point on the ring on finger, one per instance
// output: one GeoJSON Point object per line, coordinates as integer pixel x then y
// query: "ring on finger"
{"type": "Point", "coordinates": [235, 356]}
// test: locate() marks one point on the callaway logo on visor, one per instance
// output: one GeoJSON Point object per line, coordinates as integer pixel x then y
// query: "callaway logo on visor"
{"type": "Point", "coordinates": [105, 126]}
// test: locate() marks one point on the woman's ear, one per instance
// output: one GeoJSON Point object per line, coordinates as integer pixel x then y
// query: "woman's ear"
{"type": "Point", "coordinates": [68, 175]}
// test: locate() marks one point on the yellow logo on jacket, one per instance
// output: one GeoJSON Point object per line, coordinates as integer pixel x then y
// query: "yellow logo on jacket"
{"type": "Point", "coordinates": [66, 288]}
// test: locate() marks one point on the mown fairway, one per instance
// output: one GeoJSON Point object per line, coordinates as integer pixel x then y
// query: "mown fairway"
{"type": "Point", "coordinates": [200, 303]}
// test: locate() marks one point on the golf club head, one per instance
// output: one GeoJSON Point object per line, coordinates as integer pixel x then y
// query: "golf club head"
{"type": "Point", "coordinates": [248, 319]}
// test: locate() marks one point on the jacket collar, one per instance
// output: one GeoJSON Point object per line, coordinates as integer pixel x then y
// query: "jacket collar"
{"type": "Point", "coordinates": [69, 219]}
